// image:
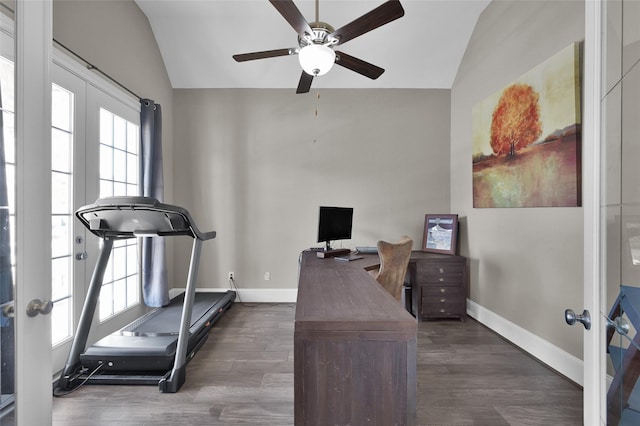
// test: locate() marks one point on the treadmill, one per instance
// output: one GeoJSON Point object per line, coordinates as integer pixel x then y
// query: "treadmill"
{"type": "Point", "coordinates": [154, 349]}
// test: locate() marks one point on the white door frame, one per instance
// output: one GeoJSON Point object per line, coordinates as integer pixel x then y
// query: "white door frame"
{"type": "Point", "coordinates": [594, 397]}
{"type": "Point", "coordinates": [33, 206]}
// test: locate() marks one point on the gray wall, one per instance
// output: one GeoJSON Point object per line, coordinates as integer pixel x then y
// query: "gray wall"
{"type": "Point", "coordinates": [526, 263]}
{"type": "Point", "coordinates": [117, 38]}
{"type": "Point", "coordinates": [255, 165]}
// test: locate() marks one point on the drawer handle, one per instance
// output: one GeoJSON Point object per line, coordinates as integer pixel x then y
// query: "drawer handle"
{"type": "Point", "coordinates": [442, 311]}
{"type": "Point", "coordinates": [441, 270]}
{"type": "Point", "coordinates": [443, 300]}
{"type": "Point", "coordinates": [441, 279]}
{"type": "Point", "coordinates": [442, 290]}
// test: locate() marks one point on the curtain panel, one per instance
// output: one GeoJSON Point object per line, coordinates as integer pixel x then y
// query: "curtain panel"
{"type": "Point", "coordinates": [155, 285]}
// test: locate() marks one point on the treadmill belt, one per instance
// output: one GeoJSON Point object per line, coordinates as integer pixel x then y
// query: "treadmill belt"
{"type": "Point", "coordinates": [165, 321]}
{"type": "Point", "coordinates": [150, 343]}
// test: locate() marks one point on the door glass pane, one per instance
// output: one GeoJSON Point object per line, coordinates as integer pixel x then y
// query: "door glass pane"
{"type": "Point", "coordinates": [63, 316]}
{"type": "Point", "coordinates": [61, 142]}
{"type": "Point", "coordinates": [62, 113]}
{"type": "Point", "coordinates": [119, 141]}
{"type": "Point", "coordinates": [7, 216]}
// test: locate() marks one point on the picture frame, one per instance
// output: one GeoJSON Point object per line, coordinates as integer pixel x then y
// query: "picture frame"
{"type": "Point", "coordinates": [440, 233]}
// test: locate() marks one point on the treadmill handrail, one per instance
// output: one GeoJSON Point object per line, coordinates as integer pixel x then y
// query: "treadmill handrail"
{"type": "Point", "coordinates": [129, 217]}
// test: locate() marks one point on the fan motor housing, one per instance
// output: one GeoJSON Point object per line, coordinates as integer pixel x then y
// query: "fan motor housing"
{"type": "Point", "coordinates": [321, 31]}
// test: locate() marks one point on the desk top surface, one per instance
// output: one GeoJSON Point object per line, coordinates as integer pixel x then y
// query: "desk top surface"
{"type": "Point", "coordinates": [336, 295]}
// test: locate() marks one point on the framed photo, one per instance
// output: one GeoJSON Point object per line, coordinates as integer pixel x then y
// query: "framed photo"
{"type": "Point", "coordinates": [440, 233]}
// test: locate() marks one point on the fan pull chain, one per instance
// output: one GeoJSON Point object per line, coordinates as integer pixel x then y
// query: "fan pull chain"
{"type": "Point", "coordinates": [315, 113]}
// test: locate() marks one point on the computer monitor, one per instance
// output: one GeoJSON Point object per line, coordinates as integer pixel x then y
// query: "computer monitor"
{"type": "Point", "coordinates": [334, 223]}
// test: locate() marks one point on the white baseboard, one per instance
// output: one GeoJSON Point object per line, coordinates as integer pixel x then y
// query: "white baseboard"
{"type": "Point", "coordinates": [253, 295]}
{"type": "Point", "coordinates": [267, 295]}
{"type": "Point", "coordinates": [556, 358]}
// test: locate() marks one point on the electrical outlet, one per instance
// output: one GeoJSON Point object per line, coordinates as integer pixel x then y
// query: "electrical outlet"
{"type": "Point", "coordinates": [267, 276]}
{"type": "Point", "coordinates": [231, 275]}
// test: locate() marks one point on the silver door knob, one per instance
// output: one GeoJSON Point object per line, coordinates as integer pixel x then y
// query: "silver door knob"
{"type": "Point", "coordinates": [8, 310]}
{"type": "Point", "coordinates": [571, 318]}
{"type": "Point", "coordinates": [619, 324]}
{"type": "Point", "coordinates": [37, 306]}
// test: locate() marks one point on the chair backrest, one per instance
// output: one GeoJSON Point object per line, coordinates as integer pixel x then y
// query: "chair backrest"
{"type": "Point", "coordinates": [394, 260]}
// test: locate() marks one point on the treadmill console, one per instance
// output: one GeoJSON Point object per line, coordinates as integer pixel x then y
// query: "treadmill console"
{"type": "Point", "coordinates": [129, 217]}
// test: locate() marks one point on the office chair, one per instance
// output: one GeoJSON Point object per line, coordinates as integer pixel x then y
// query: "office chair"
{"type": "Point", "coordinates": [394, 260]}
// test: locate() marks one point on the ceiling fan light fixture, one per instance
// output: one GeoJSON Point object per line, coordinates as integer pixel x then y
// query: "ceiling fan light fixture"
{"type": "Point", "coordinates": [316, 59]}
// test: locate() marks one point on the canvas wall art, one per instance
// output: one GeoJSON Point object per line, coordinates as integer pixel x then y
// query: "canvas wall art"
{"type": "Point", "coordinates": [527, 138]}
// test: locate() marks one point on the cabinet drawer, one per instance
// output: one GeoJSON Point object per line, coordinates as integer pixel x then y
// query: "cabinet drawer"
{"type": "Point", "coordinates": [442, 302]}
{"type": "Point", "coordinates": [441, 275]}
{"type": "Point", "coordinates": [438, 309]}
{"type": "Point", "coordinates": [430, 294]}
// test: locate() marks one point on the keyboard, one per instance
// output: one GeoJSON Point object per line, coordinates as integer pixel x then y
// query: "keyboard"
{"type": "Point", "coordinates": [367, 250]}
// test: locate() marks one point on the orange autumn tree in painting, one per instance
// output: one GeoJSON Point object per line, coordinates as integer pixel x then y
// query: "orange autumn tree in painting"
{"type": "Point", "coordinates": [516, 120]}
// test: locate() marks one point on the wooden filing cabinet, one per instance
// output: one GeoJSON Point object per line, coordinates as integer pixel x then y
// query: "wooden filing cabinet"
{"type": "Point", "coordinates": [438, 286]}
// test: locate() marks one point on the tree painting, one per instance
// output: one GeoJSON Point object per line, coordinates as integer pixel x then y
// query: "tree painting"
{"type": "Point", "coordinates": [526, 138]}
{"type": "Point", "coordinates": [516, 120]}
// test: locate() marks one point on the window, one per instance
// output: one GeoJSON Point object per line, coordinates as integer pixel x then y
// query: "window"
{"type": "Point", "coordinates": [119, 141]}
{"type": "Point", "coordinates": [62, 138]}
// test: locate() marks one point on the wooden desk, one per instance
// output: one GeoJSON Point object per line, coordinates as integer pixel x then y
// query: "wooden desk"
{"type": "Point", "coordinates": [354, 347]}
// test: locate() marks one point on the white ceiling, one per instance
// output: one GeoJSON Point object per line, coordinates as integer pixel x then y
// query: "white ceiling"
{"type": "Point", "coordinates": [197, 38]}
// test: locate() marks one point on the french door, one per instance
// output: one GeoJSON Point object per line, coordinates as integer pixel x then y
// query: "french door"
{"type": "Point", "coordinates": [68, 128]}
{"type": "Point", "coordinates": [95, 139]}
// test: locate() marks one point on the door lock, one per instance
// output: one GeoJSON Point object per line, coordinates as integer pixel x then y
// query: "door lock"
{"type": "Point", "coordinates": [571, 318]}
{"type": "Point", "coordinates": [82, 256]}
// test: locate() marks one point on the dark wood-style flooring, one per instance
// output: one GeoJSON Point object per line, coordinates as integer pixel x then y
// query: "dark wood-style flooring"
{"type": "Point", "coordinates": [467, 375]}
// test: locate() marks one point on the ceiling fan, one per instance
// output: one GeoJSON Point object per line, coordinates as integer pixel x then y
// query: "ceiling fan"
{"type": "Point", "coordinates": [317, 40]}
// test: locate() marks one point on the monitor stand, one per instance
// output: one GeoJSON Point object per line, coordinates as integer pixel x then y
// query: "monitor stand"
{"type": "Point", "coordinates": [329, 252]}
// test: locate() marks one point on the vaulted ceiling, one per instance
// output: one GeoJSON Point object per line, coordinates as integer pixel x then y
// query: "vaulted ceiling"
{"type": "Point", "coordinates": [197, 39]}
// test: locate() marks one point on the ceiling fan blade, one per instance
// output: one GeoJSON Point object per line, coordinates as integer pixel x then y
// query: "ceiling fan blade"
{"type": "Point", "coordinates": [263, 55]}
{"type": "Point", "coordinates": [305, 83]}
{"type": "Point", "coordinates": [358, 65]}
{"type": "Point", "coordinates": [292, 14]}
{"type": "Point", "coordinates": [381, 15]}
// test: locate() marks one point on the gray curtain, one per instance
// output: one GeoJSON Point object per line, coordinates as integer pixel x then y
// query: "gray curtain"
{"type": "Point", "coordinates": [6, 278]}
{"type": "Point", "coordinates": [155, 285]}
